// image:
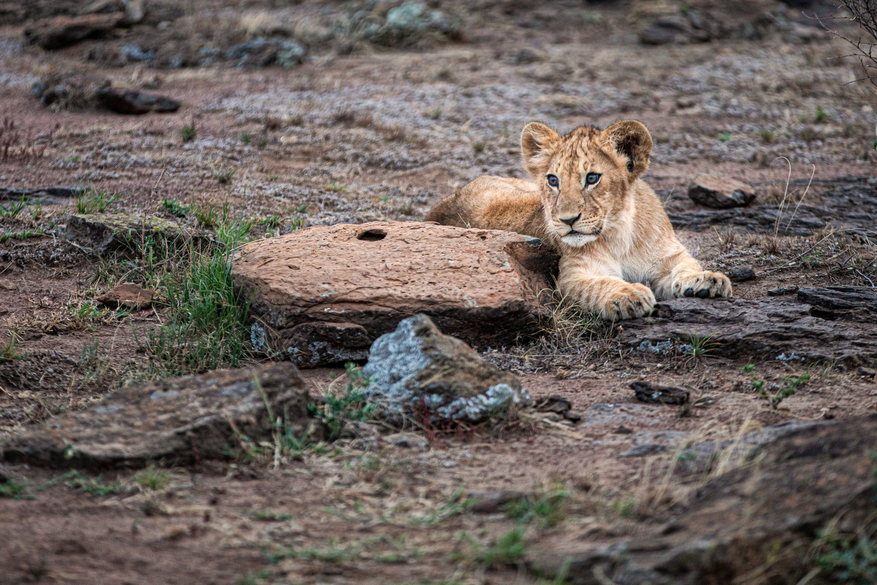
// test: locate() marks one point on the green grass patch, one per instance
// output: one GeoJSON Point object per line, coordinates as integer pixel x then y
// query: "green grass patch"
{"type": "Point", "coordinates": [175, 208]}
{"type": "Point", "coordinates": [93, 200]}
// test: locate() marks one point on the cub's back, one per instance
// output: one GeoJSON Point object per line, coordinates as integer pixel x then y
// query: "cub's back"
{"type": "Point", "coordinates": [494, 203]}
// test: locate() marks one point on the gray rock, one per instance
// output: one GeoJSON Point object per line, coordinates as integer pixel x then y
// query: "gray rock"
{"type": "Point", "coordinates": [645, 450]}
{"type": "Point", "coordinates": [419, 371]}
{"type": "Point", "coordinates": [62, 31]}
{"type": "Point", "coordinates": [267, 51]}
{"type": "Point", "coordinates": [171, 421]}
{"type": "Point", "coordinates": [720, 192]}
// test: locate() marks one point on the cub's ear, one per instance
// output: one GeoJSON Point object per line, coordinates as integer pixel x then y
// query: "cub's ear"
{"type": "Point", "coordinates": [632, 140]}
{"type": "Point", "coordinates": [538, 143]}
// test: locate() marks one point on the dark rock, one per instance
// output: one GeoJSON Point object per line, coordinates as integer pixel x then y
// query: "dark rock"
{"type": "Point", "coordinates": [645, 450]}
{"type": "Point", "coordinates": [801, 483]}
{"type": "Point", "coordinates": [740, 274]}
{"type": "Point", "coordinates": [128, 296]}
{"type": "Point", "coordinates": [782, 291]}
{"type": "Point", "coordinates": [761, 328]}
{"type": "Point", "coordinates": [63, 31]}
{"type": "Point", "coordinates": [309, 345]}
{"type": "Point", "coordinates": [664, 32]}
{"type": "Point", "coordinates": [527, 56]}
{"type": "Point", "coordinates": [720, 192]}
{"type": "Point", "coordinates": [573, 416]}
{"type": "Point", "coordinates": [654, 394]}
{"type": "Point", "coordinates": [480, 285]}
{"type": "Point", "coordinates": [132, 101]}
{"type": "Point", "coordinates": [267, 51]}
{"type": "Point", "coordinates": [69, 91]}
{"type": "Point", "coordinates": [4, 474]}
{"type": "Point", "coordinates": [761, 219]}
{"type": "Point", "coordinates": [553, 403]}
{"type": "Point", "coordinates": [418, 369]}
{"type": "Point", "coordinates": [494, 501]}
{"type": "Point", "coordinates": [172, 421]}
{"type": "Point", "coordinates": [851, 303]}
{"type": "Point", "coordinates": [867, 373]}
{"type": "Point", "coordinates": [40, 196]}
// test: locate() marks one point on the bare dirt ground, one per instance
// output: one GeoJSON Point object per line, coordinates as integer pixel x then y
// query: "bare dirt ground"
{"type": "Point", "coordinates": [368, 133]}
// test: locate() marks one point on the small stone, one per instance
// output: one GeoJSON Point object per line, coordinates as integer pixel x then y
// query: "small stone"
{"type": "Point", "coordinates": [740, 274]}
{"type": "Point", "coordinates": [494, 501]}
{"type": "Point", "coordinates": [116, 232]}
{"type": "Point", "coordinates": [654, 394]}
{"type": "Point", "coordinates": [782, 291]}
{"type": "Point", "coordinates": [526, 56]}
{"type": "Point", "coordinates": [554, 403]}
{"type": "Point", "coordinates": [132, 101]}
{"type": "Point", "coordinates": [720, 192]}
{"type": "Point", "coordinates": [644, 450]}
{"type": "Point", "coordinates": [406, 440]}
{"type": "Point", "coordinates": [128, 296]}
{"type": "Point", "coordinates": [572, 416]}
{"type": "Point", "coordinates": [866, 373]}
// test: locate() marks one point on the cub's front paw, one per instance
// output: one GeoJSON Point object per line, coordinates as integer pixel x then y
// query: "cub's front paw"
{"type": "Point", "coordinates": [702, 285]}
{"type": "Point", "coordinates": [628, 301]}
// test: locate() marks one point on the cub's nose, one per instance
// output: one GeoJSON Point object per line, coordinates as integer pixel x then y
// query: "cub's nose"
{"type": "Point", "coordinates": [570, 220]}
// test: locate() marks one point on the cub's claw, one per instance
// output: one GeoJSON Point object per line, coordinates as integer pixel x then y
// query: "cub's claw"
{"type": "Point", "coordinates": [702, 285]}
{"type": "Point", "coordinates": [629, 302]}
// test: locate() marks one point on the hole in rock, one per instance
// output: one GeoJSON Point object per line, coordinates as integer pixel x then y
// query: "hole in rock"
{"type": "Point", "coordinates": [372, 235]}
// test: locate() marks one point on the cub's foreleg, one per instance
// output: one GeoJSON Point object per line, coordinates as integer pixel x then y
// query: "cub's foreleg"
{"type": "Point", "coordinates": [598, 287]}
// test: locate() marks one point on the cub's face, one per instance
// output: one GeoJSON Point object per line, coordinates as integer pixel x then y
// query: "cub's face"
{"type": "Point", "coordinates": [585, 177]}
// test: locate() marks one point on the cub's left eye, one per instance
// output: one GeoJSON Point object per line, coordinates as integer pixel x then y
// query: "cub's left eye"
{"type": "Point", "coordinates": [553, 181]}
{"type": "Point", "coordinates": [592, 178]}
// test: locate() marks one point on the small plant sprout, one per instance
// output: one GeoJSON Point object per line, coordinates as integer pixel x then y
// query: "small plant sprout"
{"type": "Point", "coordinates": [189, 132]}
{"type": "Point", "coordinates": [175, 208]}
{"type": "Point", "coordinates": [92, 200]}
{"type": "Point", "coordinates": [14, 208]}
{"type": "Point", "coordinates": [766, 136]}
{"type": "Point", "coordinates": [821, 115]}
{"type": "Point", "coordinates": [224, 176]}
{"type": "Point", "coordinates": [699, 346]}
{"type": "Point", "coordinates": [479, 146]}
{"type": "Point", "coordinates": [246, 138]}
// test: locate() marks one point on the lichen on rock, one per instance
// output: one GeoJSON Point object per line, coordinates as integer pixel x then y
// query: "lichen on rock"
{"type": "Point", "coordinates": [417, 368]}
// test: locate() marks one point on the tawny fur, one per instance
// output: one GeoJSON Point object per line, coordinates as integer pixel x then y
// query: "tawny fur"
{"type": "Point", "coordinates": [620, 253]}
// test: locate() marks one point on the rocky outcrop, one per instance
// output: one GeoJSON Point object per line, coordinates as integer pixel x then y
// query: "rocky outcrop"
{"type": "Point", "coordinates": [111, 232]}
{"type": "Point", "coordinates": [419, 372]}
{"type": "Point", "coordinates": [172, 421]}
{"type": "Point", "coordinates": [482, 286]}
{"type": "Point", "coordinates": [63, 31]}
{"type": "Point", "coordinates": [832, 323]}
{"type": "Point", "coordinates": [720, 192]}
{"type": "Point", "coordinates": [738, 521]}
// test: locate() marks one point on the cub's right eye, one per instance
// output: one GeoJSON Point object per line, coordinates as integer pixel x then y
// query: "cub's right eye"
{"type": "Point", "coordinates": [553, 181]}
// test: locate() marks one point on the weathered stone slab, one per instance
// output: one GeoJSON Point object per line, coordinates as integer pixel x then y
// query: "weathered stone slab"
{"type": "Point", "coordinates": [763, 329]}
{"type": "Point", "coordinates": [801, 483]}
{"type": "Point", "coordinates": [480, 285]}
{"type": "Point", "coordinates": [110, 232]}
{"type": "Point", "coordinates": [173, 421]}
{"type": "Point", "coordinates": [418, 369]}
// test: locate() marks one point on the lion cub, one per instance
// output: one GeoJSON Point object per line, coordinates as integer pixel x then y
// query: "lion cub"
{"type": "Point", "coordinates": [617, 247]}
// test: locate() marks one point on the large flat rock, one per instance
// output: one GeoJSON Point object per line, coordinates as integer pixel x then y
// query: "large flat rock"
{"type": "Point", "coordinates": [173, 421]}
{"type": "Point", "coordinates": [482, 286]}
{"type": "Point", "coordinates": [820, 324]}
